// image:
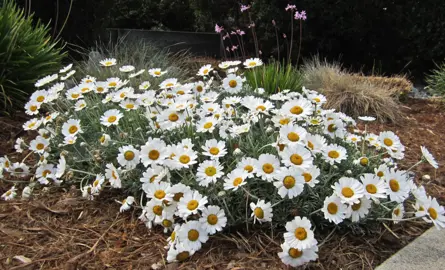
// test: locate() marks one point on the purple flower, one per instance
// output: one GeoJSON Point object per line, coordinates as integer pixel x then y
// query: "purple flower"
{"type": "Point", "coordinates": [284, 35]}
{"type": "Point", "coordinates": [291, 7]}
{"type": "Point", "coordinates": [233, 33]}
{"type": "Point", "coordinates": [218, 28]}
{"type": "Point", "coordinates": [244, 8]}
{"type": "Point", "coordinates": [240, 32]}
{"type": "Point", "coordinates": [234, 48]}
{"type": "Point", "coordinates": [300, 15]}
{"type": "Point", "coordinates": [226, 36]}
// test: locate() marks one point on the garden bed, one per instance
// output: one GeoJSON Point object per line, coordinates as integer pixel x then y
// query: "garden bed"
{"type": "Point", "coordinates": [58, 229]}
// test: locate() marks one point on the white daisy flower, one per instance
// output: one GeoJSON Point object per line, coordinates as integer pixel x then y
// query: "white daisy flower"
{"type": "Point", "coordinates": [5, 163]}
{"type": "Point", "coordinates": [144, 85]}
{"type": "Point", "coordinates": [168, 83]}
{"type": "Point", "coordinates": [32, 124]}
{"type": "Point", "coordinates": [154, 174]}
{"type": "Point", "coordinates": [310, 176]}
{"type": "Point", "coordinates": [68, 140]}
{"type": "Point", "coordinates": [374, 187]}
{"type": "Point", "coordinates": [101, 87]}
{"type": "Point", "coordinates": [69, 74]}
{"type": "Point", "coordinates": [129, 105]}
{"type": "Point", "coordinates": [185, 158]}
{"type": "Point", "coordinates": [334, 153]}
{"type": "Point", "coordinates": [298, 156]}
{"type": "Point", "coordinates": [170, 119]}
{"type": "Point", "coordinates": [213, 219]}
{"type": "Point", "coordinates": [232, 83]}
{"type": "Point", "coordinates": [248, 164]}
{"type": "Point", "coordinates": [153, 152]}
{"type": "Point", "coordinates": [156, 72]}
{"type": "Point", "coordinates": [158, 191]}
{"type": "Point", "coordinates": [367, 118]}
{"type": "Point", "coordinates": [318, 99]}
{"type": "Point", "coordinates": [80, 105]}
{"type": "Point", "coordinates": [135, 74]}
{"type": "Point", "coordinates": [86, 192]}
{"type": "Point", "coordinates": [128, 156]}
{"type": "Point", "coordinates": [419, 193]}
{"type": "Point", "coordinates": [105, 139]}
{"type": "Point", "coordinates": [315, 142]}
{"type": "Point", "coordinates": [290, 182]}
{"type": "Point", "coordinates": [112, 174]}
{"type": "Point", "coordinates": [71, 128]}
{"type": "Point", "coordinates": [299, 109]}
{"type": "Point", "coordinates": [10, 194]}
{"type": "Point", "coordinates": [352, 138]}
{"type": "Point", "coordinates": [39, 96]}
{"type": "Point", "coordinates": [74, 94]}
{"type": "Point", "coordinates": [252, 62]}
{"type": "Point", "coordinates": [397, 213]}
{"type": "Point", "coordinates": [205, 70]}
{"type": "Point", "coordinates": [50, 117]}
{"type": "Point", "coordinates": [235, 179]}
{"type": "Point", "coordinates": [86, 87]}
{"type": "Point", "coordinates": [19, 145]}
{"type": "Point", "coordinates": [281, 120]}
{"type": "Point", "coordinates": [61, 167]}
{"type": "Point", "coordinates": [126, 204]}
{"type": "Point", "coordinates": [19, 169]}
{"type": "Point", "coordinates": [267, 167]}
{"type": "Point", "coordinates": [261, 211]}
{"type": "Point", "coordinates": [66, 68]}
{"type": "Point", "coordinates": [122, 94]}
{"type": "Point", "coordinates": [45, 80]}
{"type": "Point", "coordinates": [358, 210]}
{"type": "Point", "coordinates": [191, 203]}
{"type": "Point", "coordinates": [108, 62]}
{"type": "Point", "coordinates": [209, 171]}
{"type": "Point", "coordinates": [224, 65]}
{"type": "Point", "coordinates": [113, 82]}
{"type": "Point", "coordinates": [335, 128]}
{"type": "Point", "coordinates": [96, 187]}
{"type": "Point", "coordinates": [291, 134]}
{"type": "Point", "coordinates": [426, 155]}
{"type": "Point", "coordinates": [192, 234]}
{"type": "Point", "coordinates": [153, 212]}
{"type": "Point", "coordinates": [39, 145]}
{"type": "Point", "coordinates": [435, 213]}
{"type": "Point", "coordinates": [389, 140]}
{"type": "Point", "coordinates": [127, 68]}
{"type": "Point", "coordinates": [214, 149]}
{"type": "Point", "coordinates": [299, 234]}
{"type": "Point", "coordinates": [296, 257]}
{"type": "Point", "coordinates": [178, 190]}
{"type": "Point", "coordinates": [349, 190]}
{"type": "Point", "coordinates": [32, 107]}
{"type": "Point", "coordinates": [397, 185]}
{"type": "Point", "coordinates": [111, 117]}
{"type": "Point", "coordinates": [334, 210]}
{"type": "Point", "coordinates": [179, 253]}
{"type": "Point", "coordinates": [206, 124]}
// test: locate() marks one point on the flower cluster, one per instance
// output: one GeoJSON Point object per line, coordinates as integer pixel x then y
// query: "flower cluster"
{"type": "Point", "coordinates": [214, 153]}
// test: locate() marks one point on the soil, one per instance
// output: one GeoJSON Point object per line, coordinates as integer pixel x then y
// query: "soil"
{"type": "Point", "coordinates": [57, 229]}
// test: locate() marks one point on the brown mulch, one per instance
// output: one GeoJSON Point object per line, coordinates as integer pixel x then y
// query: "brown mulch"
{"type": "Point", "coordinates": [59, 230]}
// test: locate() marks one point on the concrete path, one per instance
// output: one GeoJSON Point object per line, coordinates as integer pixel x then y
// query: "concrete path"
{"type": "Point", "coordinates": [427, 252]}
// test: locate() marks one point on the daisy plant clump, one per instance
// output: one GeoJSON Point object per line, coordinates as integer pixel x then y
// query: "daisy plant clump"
{"type": "Point", "coordinates": [199, 157]}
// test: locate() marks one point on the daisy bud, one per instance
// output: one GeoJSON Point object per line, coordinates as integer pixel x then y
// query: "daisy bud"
{"type": "Point", "coordinates": [237, 152]}
{"type": "Point", "coordinates": [26, 193]}
{"type": "Point", "coordinates": [335, 167]}
{"type": "Point", "coordinates": [348, 172]}
{"type": "Point", "coordinates": [267, 120]}
{"type": "Point", "coordinates": [269, 130]}
{"type": "Point", "coordinates": [139, 129]}
{"type": "Point", "coordinates": [260, 91]}
{"type": "Point", "coordinates": [60, 145]}
{"type": "Point", "coordinates": [221, 193]}
{"type": "Point", "coordinates": [426, 177]}
{"type": "Point", "coordinates": [83, 144]}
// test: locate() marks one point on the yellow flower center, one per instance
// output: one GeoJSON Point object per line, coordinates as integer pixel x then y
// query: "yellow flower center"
{"type": "Point", "coordinates": [380, 174]}
{"type": "Point", "coordinates": [284, 121]}
{"type": "Point", "coordinates": [333, 154]}
{"type": "Point", "coordinates": [112, 119]}
{"type": "Point", "coordinates": [157, 209]}
{"type": "Point", "coordinates": [192, 205]}
{"type": "Point", "coordinates": [173, 117]}
{"type": "Point", "coordinates": [332, 128]}
{"type": "Point", "coordinates": [364, 161]}
{"type": "Point", "coordinates": [259, 213]}
{"type": "Point", "coordinates": [214, 151]}
{"type": "Point", "coordinates": [356, 206]}
{"type": "Point", "coordinates": [8, 193]}
{"type": "Point", "coordinates": [199, 88]}
{"type": "Point", "coordinates": [102, 139]}
{"type": "Point", "coordinates": [129, 106]}
{"type": "Point", "coordinates": [212, 219]}
{"type": "Point", "coordinates": [252, 64]}
{"type": "Point", "coordinates": [129, 155]}
{"type": "Point", "coordinates": [184, 159]}
{"type": "Point", "coordinates": [40, 146]}
{"type": "Point", "coordinates": [388, 142]}
{"type": "Point", "coordinates": [109, 63]}
{"type": "Point", "coordinates": [307, 177]}
{"type": "Point", "coordinates": [33, 108]}
{"type": "Point", "coordinates": [193, 235]}
{"type": "Point", "coordinates": [296, 159]}
{"type": "Point", "coordinates": [433, 213]}
{"type": "Point", "coordinates": [394, 185]}
{"type": "Point", "coordinates": [85, 89]}
{"type": "Point", "coordinates": [289, 182]}
{"type": "Point", "coordinates": [182, 256]}
{"type": "Point", "coordinates": [268, 168]}
{"type": "Point", "coordinates": [295, 253]}
{"type": "Point", "coordinates": [169, 85]}
{"type": "Point", "coordinates": [73, 129]}
{"type": "Point", "coordinates": [112, 84]}
{"type": "Point", "coordinates": [261, 108]}
{"type": "Point", "coordinates": [40, 99]}
{"type": "Point", "coordinates": [210, 171]}
{"type": "Point", "coordinates": [46, 172]}
{"type": "Point", "coordinates": [159, 194]}
{"type": "Point", "coordinates": [233, 83]}
{"type": "Point", "coordinates": [100, 89]}
{"type": "Point", "coordinates": [208, 125]}
{"type": "Point", "coordinates": [316, 99]}
{"type": "Point", "coordinates": [396, 211]}
{"type": "Point", "coordinates": [123, 95]}
{"type": "Point", "coordinates": [167, 223]}
{"type": "Point", "coordinates": [347, 192]}
{"type": "Point", "coordinates": [74, 96]}
{"type": "Point", "coordinates": [310, 145]}
{"type": "Point", "coordinates": [296, 110]}
{"type": "Point", "coordinates": [248, 168]}
{"type": "Point", "coordinates": [205, 71]}
{"type": "Point", "coordinates": [371, 188]}
{"type": "Point", "coordinates": [153, 154]}
{"type": "Point", "coordinates": [157, 72]}
{"type": "Point", "coordinates": [293, 137]}
{"type": "Point", "coordinates": [300, 233]}
{"type": "Point", "coordinates": [237, 181]}
{"type": "Point", "coordinates": [332, 208]}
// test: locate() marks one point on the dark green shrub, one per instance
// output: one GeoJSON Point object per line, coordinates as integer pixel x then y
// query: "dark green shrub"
{"type": "Point", "coordinates": [275, 77]}
{"type": "Point", "coordinates": [26, 54]}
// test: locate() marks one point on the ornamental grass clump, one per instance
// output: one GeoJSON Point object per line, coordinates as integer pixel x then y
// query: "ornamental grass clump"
{"type": "Point", "coordinates": [210, 155]}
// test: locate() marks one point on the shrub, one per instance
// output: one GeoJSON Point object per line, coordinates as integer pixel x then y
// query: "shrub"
{"type": "Point", "coordinates": [26, 53]}
{"type": "Point", "coordinates": [275, 77]}
{"type": "Point", "coordinates": [436, 80]}
{"type": "Point", "coordinates": [212, 155]}
{"type": "Point", "coordinates": [355, 95]}
{"type": "Point", "coordinates": [141, 54]}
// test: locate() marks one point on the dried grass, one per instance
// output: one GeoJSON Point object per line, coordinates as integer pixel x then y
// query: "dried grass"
{"type": "Point", "coordinates": [354, 94]}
